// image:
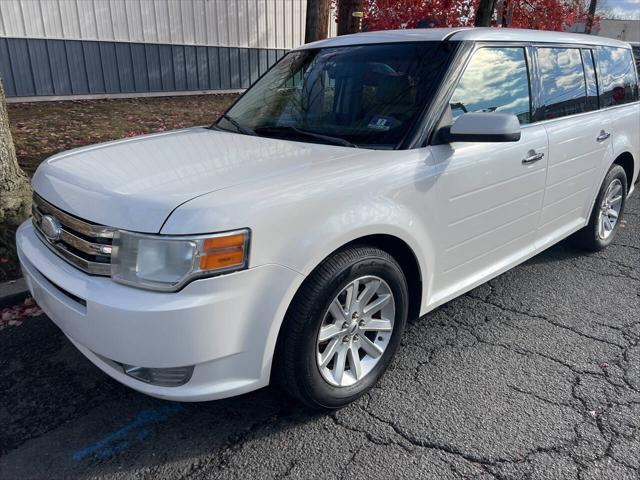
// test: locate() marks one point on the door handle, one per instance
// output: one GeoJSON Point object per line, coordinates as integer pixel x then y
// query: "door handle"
{"type": "Point", "coordinates": [532, 157]}
{"type": "Point", "coordinates": [603, 136]}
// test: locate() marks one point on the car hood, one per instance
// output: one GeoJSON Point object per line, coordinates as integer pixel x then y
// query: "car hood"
{"type": "Point", "coordinates": [135, 183]}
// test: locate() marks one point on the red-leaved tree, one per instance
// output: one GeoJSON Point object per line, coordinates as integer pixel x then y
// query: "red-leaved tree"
{"type": "Point", "coordinates": [535, 14]}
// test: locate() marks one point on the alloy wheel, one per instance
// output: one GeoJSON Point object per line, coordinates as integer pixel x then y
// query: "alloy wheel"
{"type": "Point", "coordinates": [610, 209]}
{"type": "Point", "coordinates": [355, 331]}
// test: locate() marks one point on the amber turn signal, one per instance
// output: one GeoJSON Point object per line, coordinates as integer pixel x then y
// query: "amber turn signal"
{"type": "Point", "coordinates": [223, 252]}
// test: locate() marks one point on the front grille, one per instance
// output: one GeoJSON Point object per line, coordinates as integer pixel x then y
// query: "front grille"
{"type": "Point", "coordinates": [83, 244]}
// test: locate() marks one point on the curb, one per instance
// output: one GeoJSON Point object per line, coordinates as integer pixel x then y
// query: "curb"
{"type": "Point", "coordinates": [13, 292]}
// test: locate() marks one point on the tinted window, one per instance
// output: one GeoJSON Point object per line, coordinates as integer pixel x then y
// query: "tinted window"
{"type": "Point", "coordinates": [563, 89]}
{"type": "Point", "coordinates": [617, 74]}
{"type": "Point", "coordinates": [365, 94]}
{"type": "Point", "coordinates": [495, 80]}
{"type": "Point", "coordinates": [590, 78]}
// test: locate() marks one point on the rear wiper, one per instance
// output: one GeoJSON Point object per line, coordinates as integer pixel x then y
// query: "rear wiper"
{"type": "Point", "coordinates": [319, 136]}
{"type": "Point", "coordinates": [239, 127]}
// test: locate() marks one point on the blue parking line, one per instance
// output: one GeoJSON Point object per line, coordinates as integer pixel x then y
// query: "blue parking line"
{"type": "Point", "coordinates": [131, 433]}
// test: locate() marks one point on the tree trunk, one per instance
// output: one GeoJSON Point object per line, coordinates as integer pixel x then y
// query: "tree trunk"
{"type": "Point", "coordinates": [15, 191]}
{"type": "Point", "coordinates": [350, 14]}
{"type": "Point", "coordinates": [484, 13]}
{"type": "Point", "coordinates": [317, 23]}
{"type": "Point", "coordinates": [592, 13]}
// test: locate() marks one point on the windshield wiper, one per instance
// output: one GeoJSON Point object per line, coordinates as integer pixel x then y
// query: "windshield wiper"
{"type": "Point", "coordinates": [239, 127]}
{"type": "Point", "coordinates": [299, 131]}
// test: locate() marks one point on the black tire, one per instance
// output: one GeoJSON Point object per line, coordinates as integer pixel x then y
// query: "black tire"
{"type": "Point", "coordinates": [295, 368]}
{"type": "Point", "coordinates": [588, 238]}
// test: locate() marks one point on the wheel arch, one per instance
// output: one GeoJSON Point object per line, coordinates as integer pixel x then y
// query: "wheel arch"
{"type": "Point", "coordinates": [399, 249]}
{"type": "Point", "coordinates": [406, 258]}
{"type": "Point", "coordinates": [626, 161]}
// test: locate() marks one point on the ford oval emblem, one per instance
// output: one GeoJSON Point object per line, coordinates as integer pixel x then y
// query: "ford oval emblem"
{"type": "Point", "coordinates": [50, 228]}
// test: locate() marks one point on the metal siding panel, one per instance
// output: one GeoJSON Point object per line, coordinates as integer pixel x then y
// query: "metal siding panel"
{"type": "Point", "coordinates": [77, 72]}
{"type": "Point", "coordinates": [5, 68]}
{"type": "Point", "coordinates": [272, 57]}
{"type": "Point", "coordinates": [234, 68]}
{"type": "Point", "coordinates": [211, 23]}
{"type": "Point", "coordinates": [175, 23]}
{"type": "Point", "coordinates": [21, 67]}
{"type": "Point", "coordinates": [162, 20]}
{"type": "Point", "coordinates": [166, 68]}
{"type": "Point", "coordinates": [215, 80]}
{"type": "Point", "coordinates": [191, 67]}
{"type": "Point", "coordinates": [59, 67]}
{"type": "Point", "coordinates": [180, 76]}
{"type": "Point", "coordinates": [109, 62]}
{"type": "Point", "coordinates": [203, 68]}
{"type": "Point", "coordinates": [245, 75]}
{"type": "Point", "coordinates": [254, 64]}
{"type": "Point", "coordinates": [104, 24]}
{"type": "Point", "coordinates": [69, 16]}
{"type": "Point", "coordinates": [152, 54]}
{"type": "Point", "coordinates": [221, 23]}
{"type": "Point", "coordinates": [33, 24]}
{"type": "Point", "coordinates": [139, 62]}
{"type": "Point", "coordinates": [52, 19]}
{"type": "Point", "coordinates": [12, 19]}
{"type": "Point", "coordinates": [225, 67]}
{"type": "Point", "coordinates": [87, 16]}
{"type": "Point", "coordinates": [149, 24]}
{"type": "Point", "coordinates": [40, 69]}
{"type": "Point", "coordinates": [262, 24]}
{"type": "Point", "coordinates": [118, 19]}
{"type": "Point", "coordinates": [125, 68]}
{"type": "Point", "coordinates": [287, 31]}
{"type": "Point", "coordinates": [271, 28]}
{"type": "Point", "coordinates": [264, 60]}
{"type": "Point", "coordinates": [134, 21]}
{"type": "Point", "coordinates": [200, 22]}
{"type": "Point", "coordinates": [188, 22]}
{"type": "Point", "coordinates": [242, 14]}
{"type": "Point", "coordinates": [93, 65]}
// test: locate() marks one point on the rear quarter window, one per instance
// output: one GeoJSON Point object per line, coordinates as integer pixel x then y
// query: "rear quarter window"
{"type": "Point", "coordinates": [617, 76]}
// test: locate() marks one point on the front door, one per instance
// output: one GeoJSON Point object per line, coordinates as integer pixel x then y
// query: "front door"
{"type": "Point", "coordinates": [489, 194]}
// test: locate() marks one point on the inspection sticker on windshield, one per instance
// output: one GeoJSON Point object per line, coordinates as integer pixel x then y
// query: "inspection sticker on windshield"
{"type": "Point", "coordinates": [381, 123]}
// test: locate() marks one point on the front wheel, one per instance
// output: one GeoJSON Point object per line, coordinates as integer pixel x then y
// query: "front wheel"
{"type": "Point", "coordinates": [342, 328]}
{"type": "Point", "coordinates": [607, 212]}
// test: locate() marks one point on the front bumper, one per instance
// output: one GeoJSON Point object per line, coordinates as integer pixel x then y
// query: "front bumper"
{"type": "Point", "coordinates": [226, 326]}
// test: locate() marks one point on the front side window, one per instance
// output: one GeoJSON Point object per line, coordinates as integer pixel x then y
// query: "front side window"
{"type": "Point", "coordinates": [618, 84]}
{"type": "Point", "coordinates": [563, 89]}
{"type": "Point", "coordinates": [367, 95]}
{"type": "Point", "coordinates": [495, 80]}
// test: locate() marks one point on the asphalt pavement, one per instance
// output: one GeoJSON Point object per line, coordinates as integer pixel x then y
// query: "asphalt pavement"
{"type": "Point", "coordinates": [535, 374]}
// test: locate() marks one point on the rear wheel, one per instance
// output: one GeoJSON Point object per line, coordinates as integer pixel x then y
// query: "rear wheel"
{"type": "Point", "coordinates": [607, 212]}
{"type": "Point", "coordinates": [342, 328]}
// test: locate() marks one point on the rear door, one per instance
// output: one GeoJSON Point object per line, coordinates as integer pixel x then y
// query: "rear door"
{"type": "Point", "coordinates": [489, 194]}
{"type": "Point", "coordinates": [579, 137]}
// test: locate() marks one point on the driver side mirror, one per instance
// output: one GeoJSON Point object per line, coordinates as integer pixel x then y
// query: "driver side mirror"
{"type": "Point", "coordinates": [484, 127]}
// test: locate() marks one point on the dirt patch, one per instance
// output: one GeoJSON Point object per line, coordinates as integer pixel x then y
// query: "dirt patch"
{"type": "Point", "coordinates": [42, 129]}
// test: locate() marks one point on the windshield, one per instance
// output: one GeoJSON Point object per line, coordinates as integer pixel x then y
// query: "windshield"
{"type": "Point", "coordinates": [361, 95]}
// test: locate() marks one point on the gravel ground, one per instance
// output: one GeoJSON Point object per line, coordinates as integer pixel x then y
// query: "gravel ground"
{"type": "Point", "coordinates": [535, 374]}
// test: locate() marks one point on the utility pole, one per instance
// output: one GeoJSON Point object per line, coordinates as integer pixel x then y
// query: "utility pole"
{"type": "Point", "coordinates": [350, 14]}
{"type": "Point", "coordinates": [592, 13]}
{"type": "Point", "coordinates": [484, 13]}
{"type": "Point", "coordinates": [317, 22]}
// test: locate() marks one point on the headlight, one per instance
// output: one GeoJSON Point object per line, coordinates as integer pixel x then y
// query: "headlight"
{"type": "Point", "coordinates": [166, 263]}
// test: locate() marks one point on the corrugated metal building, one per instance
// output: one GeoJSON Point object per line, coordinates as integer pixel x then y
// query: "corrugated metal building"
{"type": "Point", "coordinates": [87, 48]}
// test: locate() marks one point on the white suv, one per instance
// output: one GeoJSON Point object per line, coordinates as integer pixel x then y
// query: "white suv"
{"type": "Point", "coordinates": [363, 180]}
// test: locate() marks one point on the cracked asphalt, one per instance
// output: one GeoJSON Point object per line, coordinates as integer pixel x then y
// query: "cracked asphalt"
{"type": "Point", "coordinates": [534, 375]}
